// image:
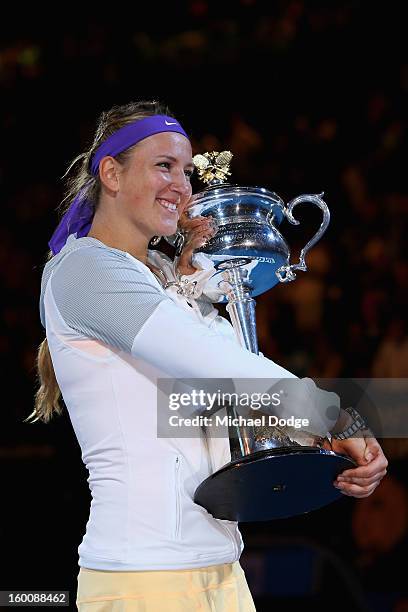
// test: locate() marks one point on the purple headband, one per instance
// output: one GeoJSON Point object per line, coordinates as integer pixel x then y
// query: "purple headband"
{"type": "Point", "coordinates": [78, 218]}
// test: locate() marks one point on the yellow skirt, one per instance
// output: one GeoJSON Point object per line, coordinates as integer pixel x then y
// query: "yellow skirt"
{"type": "Point", "coordinates": [218, 588]}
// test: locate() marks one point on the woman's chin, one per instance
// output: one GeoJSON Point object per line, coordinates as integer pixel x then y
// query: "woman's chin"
{"type": "Point", "coordinates": [168, 229]}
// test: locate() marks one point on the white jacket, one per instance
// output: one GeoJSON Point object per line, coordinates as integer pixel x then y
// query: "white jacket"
{"type": "Point", "coordinates": [112, 332]}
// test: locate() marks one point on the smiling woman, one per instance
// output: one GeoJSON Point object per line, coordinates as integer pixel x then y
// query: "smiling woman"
{"type": "Point", "coordinates": [141, 197]}
{"type": "Point", "coordinates": [113, 155]}
{"type": "Point", "coordinates": [118, 317]}
{"type": "Point", "coordinates": [98, 294]}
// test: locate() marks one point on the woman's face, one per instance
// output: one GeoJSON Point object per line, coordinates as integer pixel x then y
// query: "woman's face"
{"type": "Point", "coordinates": [155, 183]}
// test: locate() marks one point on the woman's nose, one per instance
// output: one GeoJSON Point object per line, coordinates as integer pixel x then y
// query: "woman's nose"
{"type": "Point", "coordinates": [181, 183]}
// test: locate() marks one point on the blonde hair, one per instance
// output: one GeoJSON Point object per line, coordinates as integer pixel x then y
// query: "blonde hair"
{"type": "Point", "coordinates": [48, 396]}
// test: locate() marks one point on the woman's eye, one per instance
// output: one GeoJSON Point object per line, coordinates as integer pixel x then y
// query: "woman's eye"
{"type": "Point", "coordinates": [167, 165]}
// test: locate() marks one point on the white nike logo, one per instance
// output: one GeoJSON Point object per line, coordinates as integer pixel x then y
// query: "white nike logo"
{"type": "Point", "coordinates": [170, 123]}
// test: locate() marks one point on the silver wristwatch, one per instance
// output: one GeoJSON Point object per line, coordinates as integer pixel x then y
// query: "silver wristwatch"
{"type": "Point", "coordinates": [358, 424]}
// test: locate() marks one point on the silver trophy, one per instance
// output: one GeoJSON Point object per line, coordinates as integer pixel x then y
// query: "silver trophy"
{"type": "Point", "coordinates": [273, 473]}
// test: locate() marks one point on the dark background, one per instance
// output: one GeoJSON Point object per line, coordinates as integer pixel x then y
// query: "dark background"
{"type": "Point", "coordinates": [310, 97]}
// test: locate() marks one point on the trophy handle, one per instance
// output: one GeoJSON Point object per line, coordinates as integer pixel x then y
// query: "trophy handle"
{"type": "Point", "coordinates": [287, 273]}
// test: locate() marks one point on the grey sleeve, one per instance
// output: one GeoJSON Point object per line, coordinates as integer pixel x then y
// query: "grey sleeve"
{"type": "Point", "coordinates": [101, 294]}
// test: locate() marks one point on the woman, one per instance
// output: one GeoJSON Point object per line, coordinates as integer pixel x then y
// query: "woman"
{"type": "Point", "coordinates": [117, 318]}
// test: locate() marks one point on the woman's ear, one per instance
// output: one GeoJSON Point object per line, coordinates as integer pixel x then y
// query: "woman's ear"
{"type": "Point", "coordinates": [108, 174]}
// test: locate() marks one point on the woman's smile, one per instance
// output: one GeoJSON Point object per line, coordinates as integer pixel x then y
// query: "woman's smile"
{"type": "Point", "coordinates": [168, 205]}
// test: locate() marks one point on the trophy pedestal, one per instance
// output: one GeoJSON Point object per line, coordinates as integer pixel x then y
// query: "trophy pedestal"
{"type": "Point", "coordinates": [274, 483]}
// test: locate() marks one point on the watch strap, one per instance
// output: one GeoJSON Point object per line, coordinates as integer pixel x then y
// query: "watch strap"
{"type": "Point", "coordinates": [357, 425]}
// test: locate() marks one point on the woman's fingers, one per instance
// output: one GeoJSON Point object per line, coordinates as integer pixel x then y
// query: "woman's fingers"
{"type": "Point", "coordinates": [197, 240]}
{"type": "Point", "coordinates": [362, 481]}
{"type": "Point", "coordinates": [371, 468]}
{"type": "Point", "coordinates": [202, 231]}
{"type": "Point", "coordinates": [355, 490]}
{"type": "Point", "coordinates": [197, 232]}
{"type": "Point", "coordinates": [375, 467]}
{"type": "Point", "coordinates": [190, 224]}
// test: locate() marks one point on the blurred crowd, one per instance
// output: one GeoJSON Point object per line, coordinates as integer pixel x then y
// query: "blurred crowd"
{"type": "Point", "coordinates": [309, 98]}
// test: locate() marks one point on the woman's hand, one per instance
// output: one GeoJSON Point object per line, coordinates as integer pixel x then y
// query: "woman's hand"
{"type": "Point", "coordinates": [196, 232]}
{"type": "Point", "coordinates": [371, 465]}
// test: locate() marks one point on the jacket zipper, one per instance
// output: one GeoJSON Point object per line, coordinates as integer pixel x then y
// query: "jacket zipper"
{"type": "Point", "coordinates": [178, 501]}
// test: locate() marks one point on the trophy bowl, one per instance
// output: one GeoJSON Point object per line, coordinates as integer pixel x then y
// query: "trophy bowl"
{"type": "Point", "coordinates": [247, 220]}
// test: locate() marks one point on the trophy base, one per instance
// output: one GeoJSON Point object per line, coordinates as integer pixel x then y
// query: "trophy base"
{"type": "Point", "coordinates": [273, 483]}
